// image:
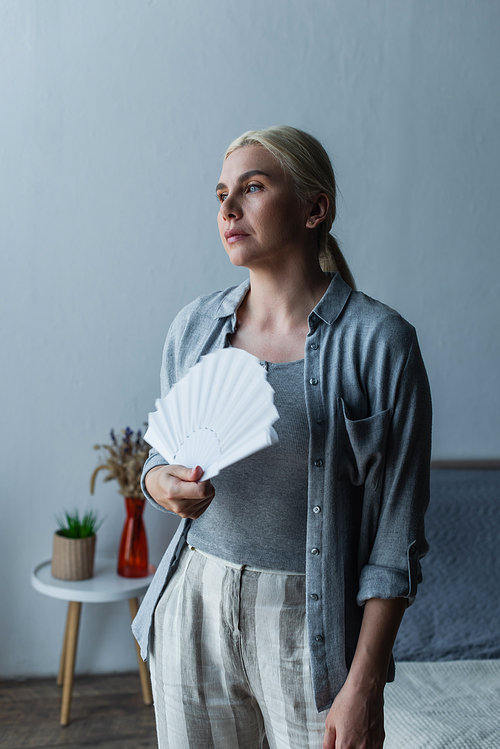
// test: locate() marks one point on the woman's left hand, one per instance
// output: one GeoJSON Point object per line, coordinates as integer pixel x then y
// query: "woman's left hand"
{"type": "Point", "coordinates": [356, 719]}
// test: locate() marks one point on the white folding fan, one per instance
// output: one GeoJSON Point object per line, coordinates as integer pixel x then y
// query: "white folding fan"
{"type": "Point", "coordinates": [220, 412]}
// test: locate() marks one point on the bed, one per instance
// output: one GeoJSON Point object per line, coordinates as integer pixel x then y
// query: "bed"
{"type": "Point", "coordinates": [447, 687]}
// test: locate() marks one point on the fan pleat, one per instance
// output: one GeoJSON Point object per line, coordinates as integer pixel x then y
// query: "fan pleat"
{"type": "Point", "coordinates": [253, 444]}
{"type": "Point", "coordinates": [220, 412]}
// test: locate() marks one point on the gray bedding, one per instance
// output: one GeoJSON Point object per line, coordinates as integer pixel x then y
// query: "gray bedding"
{"type": "Point", "coordinates": [452, 705]}
{"type": "Point", "coordinates": [456, 614]}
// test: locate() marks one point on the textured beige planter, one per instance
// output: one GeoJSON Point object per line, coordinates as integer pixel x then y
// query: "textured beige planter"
{"type": "Point", "coordinates": [73, 558]}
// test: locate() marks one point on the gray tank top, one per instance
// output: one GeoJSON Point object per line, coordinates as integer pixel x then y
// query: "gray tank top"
{"type": "Point", "coordinates": [258, 516]}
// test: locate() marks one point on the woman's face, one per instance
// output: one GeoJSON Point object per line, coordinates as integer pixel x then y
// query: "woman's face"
{"type": "Point", "coordinates": [261, 220]}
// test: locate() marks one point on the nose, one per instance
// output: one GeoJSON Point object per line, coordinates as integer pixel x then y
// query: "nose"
{"type": "Point", "coordinates": [230, 208]}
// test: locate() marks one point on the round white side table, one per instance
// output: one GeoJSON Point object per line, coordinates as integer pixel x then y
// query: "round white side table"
{"type": "Point", "coordinates": [104, 587]}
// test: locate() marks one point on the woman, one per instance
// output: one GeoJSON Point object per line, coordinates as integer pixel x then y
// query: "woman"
{"type": "Point", "coordinates": [289, 575]}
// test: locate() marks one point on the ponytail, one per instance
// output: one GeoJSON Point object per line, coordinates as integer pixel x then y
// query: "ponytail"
{"type": "Point", "coordinates": [331, 259]}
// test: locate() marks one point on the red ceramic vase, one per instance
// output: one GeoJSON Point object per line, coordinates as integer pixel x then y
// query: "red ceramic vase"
{"type": "Point", "coordinates": [133, 554]}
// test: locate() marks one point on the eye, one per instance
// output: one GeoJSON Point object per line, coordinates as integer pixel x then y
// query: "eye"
{"type": "Point", "coordinates": [221, 196]}
{"type": "Point", "coordinates": [253, 188]}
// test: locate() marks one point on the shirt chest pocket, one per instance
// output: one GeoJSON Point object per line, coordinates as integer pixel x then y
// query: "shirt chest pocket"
{"type": "Point", "coordinates": [361, 446]}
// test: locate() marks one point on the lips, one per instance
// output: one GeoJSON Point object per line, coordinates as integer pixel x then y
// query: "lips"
{"type": "Point", "coordinates": [233, 235]}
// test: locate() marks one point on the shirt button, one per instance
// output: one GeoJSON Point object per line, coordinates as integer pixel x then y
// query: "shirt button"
{"type": "Point", "coordinates": [320, 421]}
{"type": "Point", "coordinates": [413, 549]}
{"type": "Point", "coordinates": [319, 638]}
{"type": "Point", "coordinates": [314, 596]}
{"type": "Point", "coordinates": [313, 381]}
{"type": "Point", "coordinates": [316, 509]}
{"type": "Point", "coordinates": [315, 552]}
{"type": "Point", "coordinates": [318, 463]}
{"type": "Point", "coordinates": [314, 346]}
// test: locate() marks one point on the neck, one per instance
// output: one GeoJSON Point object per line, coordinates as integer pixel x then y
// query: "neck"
{"type": "Point", "coordinates": [283, 300]}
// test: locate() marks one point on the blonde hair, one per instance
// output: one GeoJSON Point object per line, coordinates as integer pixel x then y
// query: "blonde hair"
{"type": "Point", "coordinates": [303, 157]}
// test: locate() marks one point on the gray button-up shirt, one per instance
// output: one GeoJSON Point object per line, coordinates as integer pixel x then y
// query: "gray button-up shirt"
{"type": "Point", "coordinates": [369, 412]}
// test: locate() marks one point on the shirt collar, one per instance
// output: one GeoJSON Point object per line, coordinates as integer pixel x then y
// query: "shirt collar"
{"type": "Point", "coordinates": [333, 300]}
{"type": "Point", "coordinates": [232, 301]}
{"type": "Point", "coordinates": [328, 308]}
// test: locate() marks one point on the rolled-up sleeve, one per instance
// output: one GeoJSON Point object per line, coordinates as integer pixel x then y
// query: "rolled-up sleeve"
{"type": "Point", "coordinates": [393, 568]}
{"type": "Point", "coordinates": [154, 459]}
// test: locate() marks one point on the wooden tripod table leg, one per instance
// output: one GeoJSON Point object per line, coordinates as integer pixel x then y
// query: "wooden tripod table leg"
{"type": "Point", "coordinates": [60, 673]}
{"type": "Point", "coordinates": [143, 669]}
{"type": "Point", "coordinates": [69, 652]}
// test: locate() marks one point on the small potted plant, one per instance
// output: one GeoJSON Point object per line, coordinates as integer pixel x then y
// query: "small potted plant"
{"type": "Point", "coordinates": [123, 459]}
{"type": "Point", "coordinates": [74, 545]}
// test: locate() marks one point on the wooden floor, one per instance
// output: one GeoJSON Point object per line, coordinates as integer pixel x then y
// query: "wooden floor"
{"type": "Point", "coordinates": [107, 711]}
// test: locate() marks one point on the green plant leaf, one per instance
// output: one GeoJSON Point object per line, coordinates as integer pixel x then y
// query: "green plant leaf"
{"type": "Point", "coordinates": [72, 526]}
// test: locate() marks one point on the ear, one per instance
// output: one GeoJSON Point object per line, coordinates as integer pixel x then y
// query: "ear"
{"type": "Point", "coordinates": [318, 210]}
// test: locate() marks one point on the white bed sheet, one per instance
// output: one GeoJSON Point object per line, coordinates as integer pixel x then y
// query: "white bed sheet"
{"type": "Point", "coordinates": [444, 705]}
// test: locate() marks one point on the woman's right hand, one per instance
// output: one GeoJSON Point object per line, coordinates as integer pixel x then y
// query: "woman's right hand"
{"type": "Point", "coordinates": [179, 489]}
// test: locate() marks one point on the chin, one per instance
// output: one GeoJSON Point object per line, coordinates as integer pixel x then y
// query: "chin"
{"type": "Point", "coordinates": [238, 262]}
{"type": "Point", "coordinates": [237, 257]}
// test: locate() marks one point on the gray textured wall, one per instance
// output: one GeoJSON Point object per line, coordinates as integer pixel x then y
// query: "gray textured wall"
{"type": "Point", "coordinates": [114, 118]}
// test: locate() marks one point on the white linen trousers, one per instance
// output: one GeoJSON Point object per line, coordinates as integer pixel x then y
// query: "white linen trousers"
{"type": "Point", "coordinates": [230, 664]}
